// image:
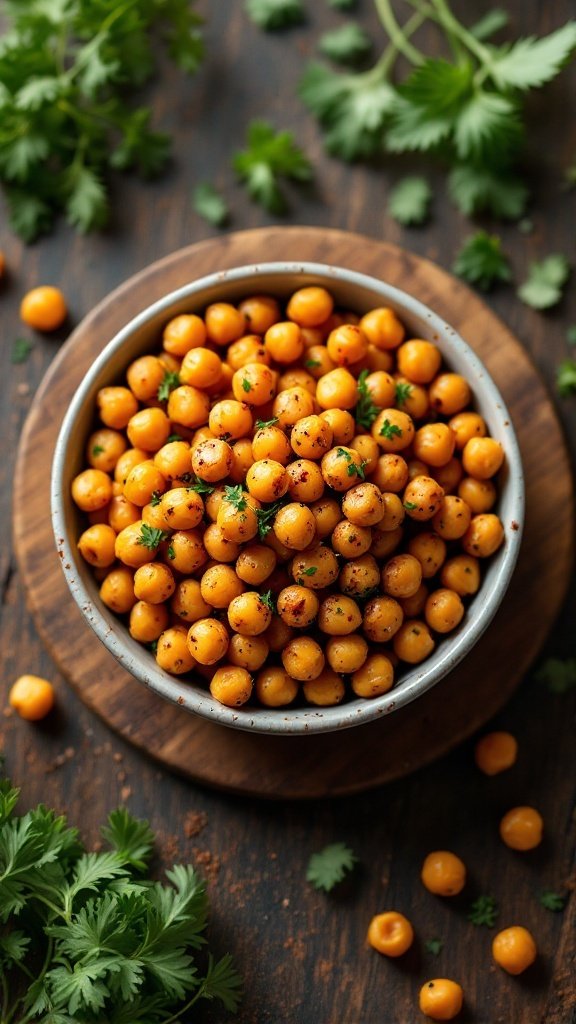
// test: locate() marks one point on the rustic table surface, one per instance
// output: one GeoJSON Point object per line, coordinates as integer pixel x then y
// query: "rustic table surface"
{"type": "Point", "coordinates": [303, 954]}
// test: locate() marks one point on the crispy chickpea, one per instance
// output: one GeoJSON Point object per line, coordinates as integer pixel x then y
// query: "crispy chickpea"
{"type": "Point", "coordinates": [297, 606]}
{"type": "Point", "coordinates": [230, 419]}
{"type": "Point", "coordinates": [441, 999]}
{"type": "Point", "coordinates": [521, 828]}
{"type": "Point", "coordinates": [242, 459]}
{"type": "Point", "coordinates": [430, 550]}
{"type": "Point", "coordinates": [325, 690]}
{"type": "Point", "coordinates": [342, 424]}
{"type": "Point", "coordinates": [91, 490]}
{"type": "Point", "coordinates": [514, 949]}
{"type": "Point", "coordinates": [482, 457]}
{"type": "Point", "coordinates": [220, 585]}
{"type": "Point", "coordinates": [385, 542]}
{"type": "Point", "coordinates": [283, 554]}
{"type": "Point", "coordinates": [249, 652]}
{"type": "Point", "coordinates": [303, 658]}
{"type": "Point", "coordinates": [391, 473]}
{"type": "Point", "coordinates": [284, 342]}
{"type": "Point", "coordinates": [183, 333]}
{"type": "Point", "coordinates": [254, 383]}
{"type": "Point", "coordinates": [434, 444]}
{"type": "Point", "coordinates": [218, 546]}
{"type": "Point", "coordinates": [129, 547]}
{"type": "Point", "coordinates": [382, 388]}
{"type": "Point", "coordinates": [413, 606]}
{"type": "Point", "coordinates": [375, 677]}
{"type": "Point", "coordinates": [346, 654]}
{"type": "Point", "coordinates": [346, 345]}
{"type": "Point", "coordinates": [449, 475]}
{"type": "Point", "coordinates": [224, 323]}
{"type": "Point", "coordinates": [327, 514]}
{"type": "Point", "coordinates": [201, 368]}
{"type": "Point", "coordinates": [382, 328]}
{"type": "Point", "coordinates": [172, 652]}
{"type": "Point", "coordinates": [249, 614]}
{"type": "Point", "coordinates": [417, 468]}
{"type": "Point", "coordinates": [393, 430]}
{"type": "Point", "coordinates": [116, 406]}
{"type": "Point", "coordinates": [310, 306]}
{"type": "Point", "coordinates": [213, 501]}
{"type": "Point", "coordinates": [316, 568]}
{"type": "Point", "coordinates": [423, 498]}
{"type": "Point", "coordinates": [270, 442]}
{"type": "Point", "coordinates": [187, 602]}
{"type": "Point", "coordinates": [231, 685]}
{"type": "Point", "coordinates": [260, 312]}
{"type": "Point", "coordinates": [496, 752]}
{"type": "Point", "coordinates": [411, 398]}
{"type": "Point", "coordinates": [443, 873]}
{"type": "Point", "coordinates": [394, 512]}
{"type": "Point", "coordinates": [452, 519]}
{"type": "Point", "coordinates": [267, 480]}
{"type": "Point", "coordinates": [311, 437]}
{"type": "Point", "coordinates": [359, 576]}
{"type": "Point", "coordinates": [104, 448]}
{"type": "Point", "coordinates": [249, 349]}
{"type": "Point", "coordinates": [364, 505]}
{"type": "Point", "coordinates": [480, 495]}
{"type": "Point", "coordinates": [212, 459]}
{"type": "Point", "coordinates": [413, 642]}
{"type": "Point", "coordinates": [368, 450]}
{"type": "Point", "coordinates": [317, 361]}
{"type": "Point", "coordinates": [462, 574]}
{"type": "Point", "coordinates": [295, 526]}
{"type": "Point", "coordinates": [188, 407]}
{"type": "Point", "coordinates": [186, 552]}
{"type": "Point", "coordinates": [142, 482]}
{"type": "Point", "coordinates": [148, 429]}
{"type": "Point", "coordinates": [339, 615]}
{"type": "Point", "coordinates": [152, 514]}
{"type": "Point", "coordinates": [278, 634]}
{"type": "Point", "coordinates": [130, 458]}
{"type": "Point", "coordinates": [147, 621]}
{"type": "Point", "coordinates": [254, 563]}
{"type": "Point", "coordinates": [292, 405]}
{"type": "Point", "coordinates": [275, 688]}
{"type": "Point", "coordinates": [444, 610]}
{"type": "Point", "coordinates": [96, 545]}
{"type": "Point", "coordinates": [383, 617]}
{"type": "Point", "coordinates": [378, 359]}
{"type": "Point", "coordinates": [484, 535]}
{"type": "Point", "coordinates": [449, 393]}
{"type": "Point", "coordinates": [43, 308]}
{"type": "Point", "coordinates": [207, 641]}
{"type": "Point", "coordinates": [466, 425]}
{"type": "Point", "coordinates": [154, 583]}
{"type": "Point", "coordinates": [144, 377]}
{"type": "Point", "coordinates": [418, 361]}
{"type": "Point", "coordinates": [117, 590]}
{"type": "Point", "coordinates": [349, 540]}
{"type": "Point", "coordinates": [296, 377]}
{"type": "Point", "coordinates": [337, 390]}
{"type": "Point", "coordinates": [401, 576]}
{"type": "Point", "coordinates": [305, 481]}
{"type": "Point", "coordinates": [390, 933]}
{"type": "Point", "coordinates": [32, 697]}
{"type": "Point", "coordinates": [342, 468]}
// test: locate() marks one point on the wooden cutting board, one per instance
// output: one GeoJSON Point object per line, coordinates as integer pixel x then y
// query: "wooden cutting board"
{"type": "Point", "coordinates": [360, 758]}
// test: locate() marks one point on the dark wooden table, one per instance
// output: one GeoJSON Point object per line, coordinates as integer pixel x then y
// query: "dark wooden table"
{"type": "Point", "coordinates": [303, 954]}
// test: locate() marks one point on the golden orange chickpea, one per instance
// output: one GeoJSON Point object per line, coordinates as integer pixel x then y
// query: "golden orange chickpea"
{"type": "Point", "coordinates": [351, 541]}
{"type": "Point", "coordinates": [430, 550]}
{"type": "Point", "coordinates": [96, 545]}
{"type": "Point", "coordinates": [479, 495]}
{"type": "Point", "coordinates": [411, 398]}
{"type": "Point", "coordinates": [327, 514]}
{"type": "Point", "coordinates": [130, 458]}
{"type": "Point", "coordinates": [391, 473]}
{"type": "Point", "coordinates": [383, 617]}
{"type": "Point", "coordinates": [91, 490]}
{"type": "Point", "coordinates": [443, 873]}
{"type": "Point", "coordinates": [270, 442]}
{"type": "Point", "coordinates": [385, 542]}
{"type": "Point", "coordinates": [297, 606]}
{"type": "Point", "coordinates": [104, 448]}
{"type": "Point", "coordinates": [144, 376]}
{"type": "Point", "coordinates": [482, 457]}
{"type": "Point", "coordinates": [295, 526]}
{"type": "Point", "coordinates": [449, 475]}
{"type": "Point", "coordinates": [44, 308]}
{"type": "Point", "coordinates": [311, 437]}
{"type": "Point", "coordinates": [249, 652]}
{"type": "Point", "coordinates": [303, 658]}
{"type": "Point", "coordinates": [284, 342]}
{"type": "Point", "coordinates": [316, 567]}
{"type": "Point", "coordinates": [278, 634]}
{"type": "Point", "coordinates": [230, 419]}
{"type": "Point", "coordinates": [212, 459]}
{"type": "Point", "coordinates": [255, 563]}
{"type": "Point", "coordinates": [275, 688]}
{"type": "Point", "coordinates": [305, 481]}
{"type": "Point", "coordinates": [434, 444]}
{"type": "Point", "coordinates": [292, 405]}
{"type": "Point", "coordinates": [310, 306]}
{"type": "Point", "coordinates": [249, 614]}
{"type": "Point", "coordinates": [453, 518]}
{"type": "Point", "coordinates": [382, 328]}
{"type": "Point", "coordinates": [116, 406]}
{"type": "Point", "coordinates": [346, 345]}
{"type": "Point", "coordinates": [224, 323]}
{"type": "Point", "coordinates": [484, 535]}
{"type": "Point", "coordinates": [326, 690]}
{"type": "Point", "coordinates": [219, 547]}
{"type": "Point", "coordinates": [242, 459]}
{"type": "Point", "coordinates": [346, 654]}
{"type": "Point", "coordinates": [117, 590]}
{"type": "Point", "coordinates": [375, 677]}
{"type": "Point", "coordinates": [144, 482]}
{"type": "Point", "coordinates": [254, 383]}
{"type": "Point", "coordinates": [441, 999]}
{"type": "Point", "coordinates": [339, 615]}
{"type": "Point", "coordinates": [401, 576]}
{"type": "Point", "coordinates": [393, 430]}
{"type": "Point", "coordinates": [443, 610]}
{"type": "Point", "coordinates": [148, 429]}
{"type": "Point", "coordinates": [342, 468]}
{"type": "Point", "coordinates": [172, 652]}
{"type": "Point", "coordinates": [154, 583]}
{"type": "Point", "coordinates": [418, 360]}
{"type": "Point", "coordinates": [449, 393]}
{"type": "Point", "coordinates": [337, 390]}
{"type": "Point", "coordinates": [359, 577]}
{"type": "Point", "coordinates": [394, 512]}
{"type": "Point", "coordinates": [413, 642]}
{"type": "Point", "coordinates": [147, 621]}
{"type": "Point", "coordinates": [317, 361]}
{"type": "Point", "coordinates": [187, 601]}
{"type": "Point", "coordinates": [267, 480]}
{"type": "Point", "coordinates": [188, 407]}
{"type": "Point", "coordinates": [390, 933]}
{"type": "Point", "coordinates": [514, 949]}
{"type": "Point", "coordinates": [413, 606]}
{"type": "Point", "coordinates": [201, 368]}
{"type": "Point", "coordinates": [522, 828]}
{"type": "Point", "coordinates": [368, 450]}
{"type": "Point", "coordinates": [364, 504]}
{"type": "Point", "coordinates": [465, 426]}
{"type": "Point", "coordinates": [220, 585]}
{"type": "Point", "coordinates": [207, 641]}
{"type": "Point", "coordinates": [231, 685]}
{"type": "Point", "coordinates": [183, 333]}
{"type": "Point", "coordinates": [186, 552]}
{"type": "Point", "coordinates": [341, 423]}
{"type": "Point", "coordinates": [496, 752]}
{"type": "Point", "coordinates": [423, 498]}
{"type": "Point", "coordinates": [462, 574]}
{"type": "Point", "coordinates": [260, 312]}
{"type": "Point", "coordinates": [32, 697]}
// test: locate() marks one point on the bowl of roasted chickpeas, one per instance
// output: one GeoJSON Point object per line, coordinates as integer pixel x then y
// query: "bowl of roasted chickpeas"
{"type": "Point", "coordinates": [288, 498]}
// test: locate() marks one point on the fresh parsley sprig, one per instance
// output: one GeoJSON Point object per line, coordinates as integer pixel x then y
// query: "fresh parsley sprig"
{"type": "Point", "coordinates": [546, 279]}
{"type": "Point", "coordinates": [482, 262]}
{"type": "Point", "coordinates": [266, 517]}
{"type": "Point", "coordinates": [409, 201]}
{"type": "Point", "coordinates": [270, 157]}
{"type": "Point", "coordinates": [170, 381]}
{"type": "Point", "coordinates": [151, 536]}
{"type": "Point", "coordinates": [366, 411]}
{"type": "Point", "coordinates": [330, 866]}
{"type": "Point", "coordinates": [484, 911]}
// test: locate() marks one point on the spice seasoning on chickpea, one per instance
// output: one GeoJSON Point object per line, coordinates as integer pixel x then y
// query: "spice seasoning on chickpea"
{"type": "Point", "coordinates": [291, 499]}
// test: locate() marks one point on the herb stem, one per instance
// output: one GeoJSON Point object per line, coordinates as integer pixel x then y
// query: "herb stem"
{"type": "Point", "coordinates": [397, 34]}
{"type": "Point", "coordinates": [455, 30]}
{"type": "Point", "coordinates": [391, 53]}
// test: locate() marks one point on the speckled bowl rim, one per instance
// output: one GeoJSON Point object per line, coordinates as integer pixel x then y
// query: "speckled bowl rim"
{"type": "Point", "coordinates": [298, 720]}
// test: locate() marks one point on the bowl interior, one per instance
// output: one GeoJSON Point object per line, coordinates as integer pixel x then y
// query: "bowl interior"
{"type": "Point", "coordinates": [352, 291]}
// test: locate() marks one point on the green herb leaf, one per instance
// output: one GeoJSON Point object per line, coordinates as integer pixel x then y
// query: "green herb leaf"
{"type": "Point", "coordinates": [261, 424]}
{"type": "Point", "coordinates": [434, 946]}
{"type": "Point", "coordinates": [348, 44]}
{"type": "Point", "coordinates": [201, 487]}
{"type": "Point", "coordinates": [274, 15]}
{"type": "Point", "coordinates": [171, 552]}
{"type": "Point", "coordinates": [566, 378]}
{"type": "Point", "coordinates": [21, 349]}
{"type": "Point", "coordinates": [266, 517]}
{"type": "Point", "coordinates": [150, 536]}
{"type": "Point", "coordinates": [170, 381]}
{"type": "Point", "coordinates": [529, 63]}
{"type": "Point", "coordinates": [409, 201]}
{"type": "Point", "coordinates": [481, 261]}
{"type": "Point", "coordinates": [403, 392]}
{"type": "Point", "coordinates": [410, 506]}
{"type": "Point", "coordinates": [210, 205]}
{"type": "Point", "coordinates": [543, 287]}
{"type": "Point", "coordinates": [268, 599]}
{"type": "Point", "coordinates": [330, 866]}
{"type": "Point", "coordinates": [86, 202]}
{"type": "Point", "coordinates": [269, 158]}
{"type": "Point", "coordinates": [366, 410]}
{"type": "Point", "coordinates": [246, 385]}
{"type": "Point", "coordinates": [482, 189]}
{"type": "Point", "coordinates": [390, 430]}
{"type": "Point", "coordinates": [234, 495]}
{"type": "Point", "coordinates": [155, 498]}
{"type": "Point", "coordinates": [312, 364]}
{"type": "Point", "coordinates": [352, 109]}
{"type": "Point", "coordinates": [310, 571]}
{"type": "Point", "coordinates": [558, 674]}
{"type": "Point", "coordinates": [173, 437]}
{"type": "Point", "coordinates": [490, 24]}
{"type": "Point", "coordinates": [484, 911]}
{"type": "Point", "coordinates": [552, 900]}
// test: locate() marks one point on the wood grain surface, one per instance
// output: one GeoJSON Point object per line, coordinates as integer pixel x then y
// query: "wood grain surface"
{"type": "Point", "coordinates": [305, 767]}
{"type": "Point", "coordinates": [303, 954]}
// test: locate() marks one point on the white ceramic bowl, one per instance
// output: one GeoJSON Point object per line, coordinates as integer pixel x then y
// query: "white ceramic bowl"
{"type": "Point", "coordinates": [352, 291]}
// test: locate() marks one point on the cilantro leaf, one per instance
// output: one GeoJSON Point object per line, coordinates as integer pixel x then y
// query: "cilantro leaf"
{"type": "Point", "coordinates": [566, 378]}
{"type": "Point", "coordinates": [481, 261]}
{"type": "Point", "coordinates": [552, 900]}
{"type": "Point", "coordinates": [222, 982]}
{"type": "Point", "coordinates": [352, 109]}
{"type": "Point", "coordinates": [409, 201]}
{"type": "Point", "coordinates": [327, 868]}
{"type": "Point", "coordinates": [529, 63]}
{"type": "Point", "coordinates": [272, 15]}
{"type": "Point", "coordinates": [433, 946]}
{"type": "Point", "coordinates": [559, 675]}
{"type": "Point", "coordinates": [489, 24]}
{"type": "Point", "coordinates": [543, 286]}
{"type": "Point", "coordinates": [261, 424]}
{"type": "Point", "coordinates": [348, 44]}
{"type": "Point", "coordinates": [29, 215]}
{"type": "Point", "coordinates": [151, 536]}
{"type": "Point", "coordinates": [86, 203]}
{"type": "Point", "coordinates": [403, 391]}
{"type": "Point", "coordinates": [235, 496]}
{"type": "Point", "coordinates": [269, 158]}
{"type": "Point", "coordinates": [484, 911]}
{"type": "Point", "coordinates": [170, 381]}
{"type": "Point", "coordinates": [268, 599]}
{"type": "Point", "coordinates": [21, 349]}
{"type": "Point", "coordinates": [210, 205]}
{"type": "Point", "coordinates": [266, 517]}
{"type": "Point", "coordinates": [483, 189]}
{"type": "Point", "coordinates": [201, 487]}
{"type": "Point", "coordinates": [366, 411]}
{"type": "Point", "coordinates": [130, 838]}
{"type": "Point", "coordinates": [390, 430]}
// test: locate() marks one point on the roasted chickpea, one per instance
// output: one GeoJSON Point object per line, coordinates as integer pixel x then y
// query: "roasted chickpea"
{"type": "Point", "coordinates": [394, 512]}
{"type": "Point", "coordinates": [188, 603]}
{"type": "Point", "coordinates": [383, 617]}
{"type": "Point", "coordinates": [378, 359]}
{"type": "Point", "coordinates": [143, 482]}
{"type": "Point", "coordinates": [238, 522]}
{"type": "Point", "coordinates": [96, 545]}
{"type": "Point", "coordinates": [104, 448]}
{"type": "Point", "coordinates": [423, 498]}
{"type": "Point", "coordinates": [154, 583]}
{"type": "Point", "coordinates": [339, 615]}
{"type": "Point", "coordinates": [368, 450]}
{"type": "Point", "coordinates": [148, 429]}
{"type": "Point", "coordinates": [254, 564]}
{"type": "Point", "coordinates": [230, 419]}
{"type": "Point", "coordinates": [207, 641]}
{"type": "Point", "coordinates": [443, 873]}
{"type": "Point", "coordinates": [417, 468]}
{"type": "Point", "coordinates": [43, 308]}
{"type": "Point", "coordinates": [231, 685]}
{"type": "Point", "coordinates": [327, 513]}
{"type": "Point", "coordinates": [117, 590]}
{"type": "Point", "coordinates": [267, 480]}
{"type": "Point", "coordinates": [375, 677]}
{"type": "Point", "coordinates": [342, 424]}
{"type": "Point", "coordinates": [32, 697]}
{"type": "Point", "coordinates": [310, 306]}
{"type": "Point", "coordinates": [311, 437]}
{"type": "Point", "coordinates": [346, 345]}
{"type": "Point", "coordinates": [254, 383]}
{"type": "Point", "coordinates": [270, 442]}
{"type": "Point", "coordinates": [317, 361]}
{"type": "Point", "coordinates": [316, 568]}
{"type": "Point", "coordinates": [306, 483]}
{"type": "Point", "coordinates": [382, 328]}
{"type": "Point", "coordinates": [452, 519]}
{"type": "Point", "coordinates": [292, 405]}
{"type": "Point", "coordinates": [172, 652]}
{"type": "Point", "coordinates": [91, 489]}
{"type": "Point", "coordinates": [496, 752]}
{"type": "Point", "coordinates": [188, 406]}
{"type": "Point", "coordinates": [401, 576]}
{"type": "Point", "coordinates": [303, 658]}
{"type": "Point", "coordinates": [183, 333]}
{"type": "Point", "coordinates": [449, 393]}
{"type": "Point", "coordinates": [411, 398]}
{"type": "Point", "coordinates": [220, 585]}
{"type": "Point", "coordinates": [212, 459]}
{"type": "Point", "coordinates": [144, 377]}
{"type": "Point", "coordinates": [479, 495]}
{"type": "Point", "coordinates": [482, 457]}
{"type": "Point", "coordinates": [186, 552]}
{"type": "Point", "coordinates": [275, 688]}
{"type": "Point", "coordinates": [393, 430]}
{"type": "Point", "coordinates": [224, 323]}
{"type": "Point", "coordinates": [218, 546]}
{"type": "Point", "coordinates": [249, 652]}
{"type": "Point", "coordinates": [484, 535]}
{"type": "Point", "coordinates": [441, 999]}
{"type": "Point", "coordinates": [349, 540]}
{"type": "Point", "coordinates": [116, 406]}
{"type": "Point", "coordinates": [390, 933]}
{"type": "Point", "coordinates": [242, 459]}
{"type": "Point", "coordinates": [295, 526]}
{"type": "Point", "coordinates": [413, 642]}
{"type": "Point", "coordinates": [430, 550]}
{"type": "Point", "coordinates": [325, 690]}
{"type": "Point", "coordinates": [152, 514]}
{"type": "Point", "coordinates": [514, 949]}
{"type": "Point", "coordinates": [337, 390]}
{"type": "Point", "coordinates": [418, 361]}
{"type": "Point", "coordinates": [465, 426]}
{"type": "Point", "coordinates": [342, 468]}
{"type": "Point", "coordinates": [385, 542]}
{"type": "Point", "coordinates": [130, 458]}
{"type": "Point", "coordinates": [449, 475]}
{"type": "Point", "coordinates": [462, 574]}
{"type": "Point", "coordinates": [297, 606]}
{"type": "Point", "coordinates": [444, 610]}
{"type": "Point", "coordinates": [359, 577]}
{"type": "Point", "coordinates": [147, 621]}
{"type": "Point", "coordinates": [391, 473]}
{"type": "Point", "coordinates": [364, 504]}
{"type": "Point", "coordinates": [413, 606]}
{"type": "Point", "coordinates": [284, 342]}
{"type": "Point", "coordinates": [346, 654]}
{"type": "Point", "coordinates": [278, 634]}
{"type": "Point", "coordinates": [249, 614]}
{"type": "Point", "coordinates": [521, 828]}
{"type": "Point", "coordinates": [201, 368]}
{"type": "Point", "coordinates": [434, 444]}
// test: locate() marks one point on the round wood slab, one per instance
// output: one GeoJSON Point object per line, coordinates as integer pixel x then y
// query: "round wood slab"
{"type": "Point", "coordinates": [335, 763]}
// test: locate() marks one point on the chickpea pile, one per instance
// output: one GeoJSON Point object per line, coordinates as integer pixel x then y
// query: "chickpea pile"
{"type": "Point", "coordinates": [289, 501]}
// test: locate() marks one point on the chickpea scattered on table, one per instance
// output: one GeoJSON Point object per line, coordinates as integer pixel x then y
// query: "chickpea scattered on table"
{"type": "Point", "coordinates": [290, 500]}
